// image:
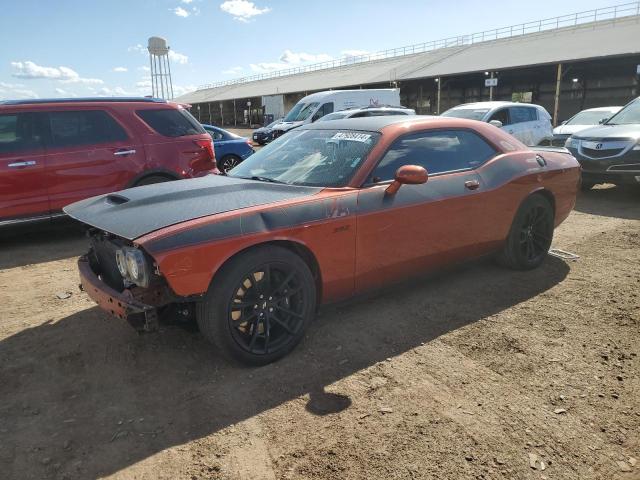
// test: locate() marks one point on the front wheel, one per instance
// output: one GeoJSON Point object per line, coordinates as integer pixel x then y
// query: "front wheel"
{"type": "Point", "coordinates": [259, 305]}
{"type": "Point", "coordinates": [530, 236]}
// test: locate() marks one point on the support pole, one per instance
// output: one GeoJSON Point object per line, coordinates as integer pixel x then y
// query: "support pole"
{"type": "Point", "coordinates": [210, 119]}
{"type": "Point", "coordinates": [491, 89]}
{"type": "Point", "coordinates": [439, 81]}
{"type": "Point", "coordinates": [235, 118]}
{"type": "Point", "coordinates": [556, 103]}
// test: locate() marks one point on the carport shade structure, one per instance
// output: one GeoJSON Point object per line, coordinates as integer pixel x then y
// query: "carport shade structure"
{"type": "Point", "coordinates": [452, 60]}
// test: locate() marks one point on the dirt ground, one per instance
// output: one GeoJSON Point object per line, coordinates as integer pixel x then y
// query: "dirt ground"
{"type": "Point", "coordinates": [476, 373]}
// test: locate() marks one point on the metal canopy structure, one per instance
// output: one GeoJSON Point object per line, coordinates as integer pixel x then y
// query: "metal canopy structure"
{"type": "Point", "coordinates": [616, 35]}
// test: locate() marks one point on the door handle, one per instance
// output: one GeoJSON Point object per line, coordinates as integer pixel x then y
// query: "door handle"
{"type": "Point", "coordinates": [123, 152]}
{"type": "Point", "coordinates": [472, 184]}
{"type": "Point", "coordinates": [26, 163]}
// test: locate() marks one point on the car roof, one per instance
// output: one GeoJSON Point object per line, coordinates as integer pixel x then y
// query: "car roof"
{"type": "Point", "coordinates": [41, 101]}
{"type": "Point", "coordinates": [370, 124]}
{"type": "Point", "coordinates": [600, 109]}
{"type": "Point", "coordinates": [494, 104]}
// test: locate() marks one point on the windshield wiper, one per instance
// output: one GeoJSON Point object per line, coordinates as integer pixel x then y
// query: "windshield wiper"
{"type": "Point", "coordinates": [263, 179]}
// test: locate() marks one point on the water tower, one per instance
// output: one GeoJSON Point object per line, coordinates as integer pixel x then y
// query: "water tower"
{"type": "Point", "coordinates": [161, 85]}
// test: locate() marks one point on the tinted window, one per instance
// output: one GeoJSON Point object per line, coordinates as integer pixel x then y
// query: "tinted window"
{"type": "Point", "coordinates": [171, 122]}
{"type": "Point", "coordinates": [84, 127]}
{"type": "Point", "coordinates": [502, 116]}
{"type": "Point", "coordinates": [325, 109]}
{"type": "Point", "coordinates": [439, 151]}
{"type": "Point", "coordinates": [522, 114]}
{"type": "Point", "coordinates": [19, 132]}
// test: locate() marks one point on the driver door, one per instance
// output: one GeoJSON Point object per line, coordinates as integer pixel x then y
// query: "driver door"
{"type": "Point", "coordinates": [422, 226]}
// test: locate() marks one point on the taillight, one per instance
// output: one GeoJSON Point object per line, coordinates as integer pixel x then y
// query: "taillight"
{"type": "Point", "coordinates": [207, 145]}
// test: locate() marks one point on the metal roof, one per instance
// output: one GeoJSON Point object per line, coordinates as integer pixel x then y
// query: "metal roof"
{"type": "Point", "coordinates": [615, 37]}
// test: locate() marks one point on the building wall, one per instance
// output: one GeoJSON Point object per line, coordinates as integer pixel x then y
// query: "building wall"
{"type": "Point", "coordinates": [602, 82]}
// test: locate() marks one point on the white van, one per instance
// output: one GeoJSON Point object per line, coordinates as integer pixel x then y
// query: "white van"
{"type": "Point", "coordinates": [314, 106]}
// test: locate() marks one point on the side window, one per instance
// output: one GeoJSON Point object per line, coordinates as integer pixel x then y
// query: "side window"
{"type": "Point", "coordinates": [84, 127]}
{"type": "Point", "coordinates": [215, 135]}
{"type": "Point", "coordinates": [325, 109]}
{"type": "Point", "coordinates": [501, 115]}
{"type": "Point", "coordinates": [437, 151]}
{"type": "Point", "coordinates": [523, 114]}
{"type": "Point", "coordinates": [20, 132]}
{"type": "Point", "coordinates": [171, 122]}
{"type": "Point", "coordinates": [361, 114]}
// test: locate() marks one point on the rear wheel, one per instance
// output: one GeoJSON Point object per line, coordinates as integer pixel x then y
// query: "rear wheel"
{"type": "Point", "coordinates": [259, 306]}
{"type": "Point", "coordinates": [530, 235]}
{"type": "Point", "coordinates": [151, 179]}
{"type": "Point", "coordinates": [228, 162]}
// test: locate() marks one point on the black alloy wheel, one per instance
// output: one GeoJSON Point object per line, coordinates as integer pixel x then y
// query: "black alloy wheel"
{"type": "Point", "coordinates": [229, 162]}
{"type": "Point", "coordinates": [259, 305]}
{"type": "Point", "coordinates": [267, 309]}
{"type": "Point", "coordinates": [530, 236]}
{"type": "Point", "coordinates": [536, 233]}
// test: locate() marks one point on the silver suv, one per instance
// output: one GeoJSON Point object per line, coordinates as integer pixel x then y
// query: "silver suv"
{"type": "Point", "coordinates": [610, 153]}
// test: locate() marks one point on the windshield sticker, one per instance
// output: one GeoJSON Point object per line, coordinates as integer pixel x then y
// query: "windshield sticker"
{"type": "Point", "coordinates": [352, 136]}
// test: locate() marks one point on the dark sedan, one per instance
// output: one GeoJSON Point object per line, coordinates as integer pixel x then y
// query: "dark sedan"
{"type": "Point", "coordinates": [230, 149]}
{"type": "Point", "coordinates": [264, 135]}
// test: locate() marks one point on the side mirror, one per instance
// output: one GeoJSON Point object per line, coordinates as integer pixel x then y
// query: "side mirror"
{"type": "Point", "coordinates": [603, 120]}
{"type": "Point", "coordinates": [496, 123]}
{"type": "Point", "coordinates": [409, 175]}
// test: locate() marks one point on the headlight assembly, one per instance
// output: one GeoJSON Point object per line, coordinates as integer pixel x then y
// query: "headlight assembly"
{"type": "Point", "coordinates": [133, 266]}
{"type": "Point", "coordinates": [572, 143]}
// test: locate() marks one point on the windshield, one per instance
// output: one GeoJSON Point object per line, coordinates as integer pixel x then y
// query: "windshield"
{"type": "Point", "coordinates": [628, 115]}
{"type": "Point", "coordinates": [590, 118]}
{"type": "Point", "coordinates": [469, 113]}
{"type": "Point", "coordinates": [325, 158]}
{"type": "Point", "coordinates": [300, 112]}
{"type": "Point", "coordinates": [333, 116]}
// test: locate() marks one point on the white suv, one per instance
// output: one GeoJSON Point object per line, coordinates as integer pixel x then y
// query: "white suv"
{"type": "Point", "coordinates": [370, 111]}
{"type": "Point", "coordinates": [531, 124]}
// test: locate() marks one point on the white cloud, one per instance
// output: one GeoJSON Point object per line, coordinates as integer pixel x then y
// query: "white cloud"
{"type": "Point", "coordinates": [232, 71]}
{"type": "Point", "coordinates": [144, 68]}
{"type": "Point", "coordinates": [354, 53]}
{"type": "Point", "coordinates": [187, 1]}
{"type": "Point", "coordinates": [265, 67]}
{"type": "Point", "coordinates": [182, 89]}
{"type": "Point", "coordinates": [178, 57]}
{"type": "Point", "coordinates": [15, 91]}
{"type": "Point", "coordinates": [113, 92]}
{"type": "Point", "coordinates": [242, 10]}
{"type": "Point", "coordinates": [65, 93]}
{"type": "Point", "coordinates": [31, 70]}
{"type": "Point", "coordinates": [295, 58]}
{"type": "Point", "coordinates": [137, 48]}
{"type": "Point", "coordinates": [180, 12]}
{"type": "Point", "coordinates": [121, 69]}
{"type": "Point", "coordinates": [146, 84]}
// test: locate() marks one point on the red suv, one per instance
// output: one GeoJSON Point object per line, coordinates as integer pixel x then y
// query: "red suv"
{"type": "Point", "coordinates": [55, 152]}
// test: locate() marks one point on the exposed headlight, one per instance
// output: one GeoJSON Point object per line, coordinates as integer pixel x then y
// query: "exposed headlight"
{"type": "Point", "coordinates": [121, 262]}
{"type": "Point", "coordinates": [133, 266]}
{"type": "Point", "coordinates": [572, 143]}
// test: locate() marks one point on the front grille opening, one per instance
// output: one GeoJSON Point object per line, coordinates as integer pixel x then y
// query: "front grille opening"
{"type": "Point", "coordinates": [601, 153]}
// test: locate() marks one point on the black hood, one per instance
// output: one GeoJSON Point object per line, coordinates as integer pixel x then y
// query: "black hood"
{"type": "Point", "coordinates": [609, 132]}
{"type": "Point", "coordinates": [137, 211]}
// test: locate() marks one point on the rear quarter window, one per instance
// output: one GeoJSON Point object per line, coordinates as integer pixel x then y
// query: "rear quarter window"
{"type": "Point", "coordinates": [171, 122]}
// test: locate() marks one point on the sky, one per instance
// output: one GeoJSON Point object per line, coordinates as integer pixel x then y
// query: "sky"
{"type": "Point", "coordinates": [68, 48]}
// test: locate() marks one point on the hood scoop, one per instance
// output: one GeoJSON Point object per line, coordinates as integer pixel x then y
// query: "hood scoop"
{"type": "Point", "coordinates": [115, 199]}
{"type": "Point", "coordinates": [141, 210]}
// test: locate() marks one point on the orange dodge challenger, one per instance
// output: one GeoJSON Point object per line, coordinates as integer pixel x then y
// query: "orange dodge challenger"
{"type": "Point", "coordinates": [326, 211]}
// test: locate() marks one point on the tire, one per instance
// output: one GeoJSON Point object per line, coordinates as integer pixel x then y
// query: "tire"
{"type": "Point", "coordinates": [151, 179]}
{"type": "Point", "coordinates": [530, 235]}
{"type": "Point", "coordinates": [228, 162]}
{"type": "Point", "coordinates": [261, 329]}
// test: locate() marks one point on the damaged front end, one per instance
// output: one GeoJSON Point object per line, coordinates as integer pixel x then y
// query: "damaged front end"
{"type": "Point", "coordinates": [108, 274]}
